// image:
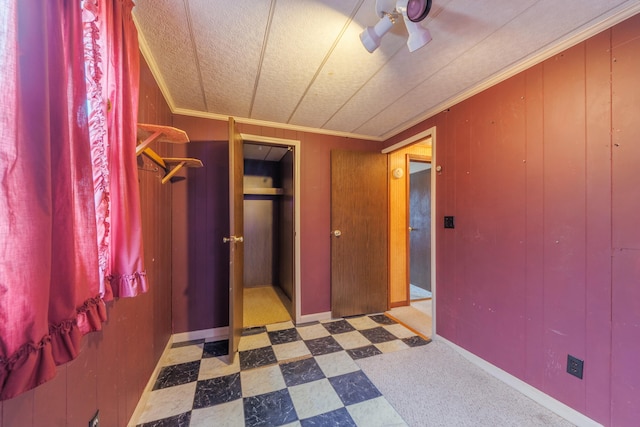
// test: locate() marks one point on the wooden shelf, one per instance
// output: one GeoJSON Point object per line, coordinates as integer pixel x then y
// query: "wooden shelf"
{"type": "Point", "coordinates": [171, 165]}
{"type": "Point", "coordinates": [148, 134]}
{"type": "Point", "coordinates": [266, 191]}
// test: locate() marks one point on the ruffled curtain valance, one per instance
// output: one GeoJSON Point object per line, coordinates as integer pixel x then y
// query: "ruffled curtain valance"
{"type": "Point", "coordinates": [60, 212]}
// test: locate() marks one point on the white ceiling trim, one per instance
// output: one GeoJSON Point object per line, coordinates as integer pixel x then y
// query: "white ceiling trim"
{"type": "Point", "coordinates": [405, 142]}
{"type": "Point", "coordinates": [276, 125]}
{"type": "Point", "coordinates": [618, 16]}
{"type": "Point", "coordinates": [157, 75]}
{"type": "Point", "coordinates": [153, 66]}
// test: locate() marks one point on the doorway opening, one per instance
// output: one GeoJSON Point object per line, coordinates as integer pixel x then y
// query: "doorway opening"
{"type": "Point", "coordinates": [419, 245]}
{"type": "Point", "coordinates": [412, 232]}
{"type": "Point", "coordinates": [270, 231]}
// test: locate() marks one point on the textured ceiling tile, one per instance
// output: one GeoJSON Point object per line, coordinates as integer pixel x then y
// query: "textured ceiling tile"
{"type": "Point", "coordinates": [163, 24]}
{"type": "Point", "coordinates": [311, 70]}
{"type": "Point", "coordinates": [229, 42]}
{"type": "Point", "coordinates": [457, 28]}
{"type": "Point", "coordinates": [302, 34]}
{"type": "Point", "coordinates": [514, 42]}
{"type": "Point", "coordinates": [348, 69]}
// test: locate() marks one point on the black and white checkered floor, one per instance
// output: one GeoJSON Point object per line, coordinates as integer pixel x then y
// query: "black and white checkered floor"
{"type": "Point", "coordinates": [284, 376]}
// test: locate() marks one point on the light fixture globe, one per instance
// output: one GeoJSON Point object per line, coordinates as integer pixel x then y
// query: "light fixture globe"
{"type": "Point", "coordinates": [412, 11]}
{"type": "Point", "coordinates": [417, 10]}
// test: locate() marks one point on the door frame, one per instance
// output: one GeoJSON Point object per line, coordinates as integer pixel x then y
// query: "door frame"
{"type": "Point", "coordinates": [267, 140]}
{"type": "Point", "coordinates": [431, 132]}
{"type": "Point", "coordinates": [420, 159]}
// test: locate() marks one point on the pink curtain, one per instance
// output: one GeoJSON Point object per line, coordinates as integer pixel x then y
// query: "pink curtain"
{"type": "Point", "coordinates": [70, 223]}
{"type": "Point", "coordinates": [126, 275]}
{"type": "Point", "coordinates": [113, 93]}
{"type": "Point", "coordinates": [49, 287]}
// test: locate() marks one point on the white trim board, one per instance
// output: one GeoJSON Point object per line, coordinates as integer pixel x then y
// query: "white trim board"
{"type": "Point", "coordinates": [428, 133]}
{"type": "Point", "coordinates": [142, 402]}
{"type": "Point", "coordinates": [531, 392]}
{"type": "Point", "coordinates": [315, 317]}
{"type": "Point", "coordinates": [213, 334]}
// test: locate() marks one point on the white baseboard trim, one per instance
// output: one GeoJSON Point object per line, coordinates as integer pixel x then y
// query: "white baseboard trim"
{"type": "Point", "coordinates": [207, 334]}
{"type": "Point", "coordinates": [531, 392]}
{"type": "Point", "coordinates": [142, 402]}
{"type": "Point", "coordinates": [315, 317]}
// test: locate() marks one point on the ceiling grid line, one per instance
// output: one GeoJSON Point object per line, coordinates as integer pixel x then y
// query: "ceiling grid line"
{"type": "Point", "coordinates": [443, 67]}
{"type": "Point", "coordinates": [326, 58]}
{"type": "Point", "coordinates": [265, 41]}
{"type": "Point", "coordinates": [435, 12]}
{"type": "Point", "coordinates": [300, 65]}
{"type": "Point", "coordinates": [194, 47]}
{"type": "Point", "coordinates": [559, 43]}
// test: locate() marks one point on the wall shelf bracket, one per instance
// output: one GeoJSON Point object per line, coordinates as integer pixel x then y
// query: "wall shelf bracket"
{"type": "Point", "coordinates": [147, 134]}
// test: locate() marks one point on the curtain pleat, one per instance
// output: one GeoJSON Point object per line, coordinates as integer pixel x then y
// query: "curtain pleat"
{"type": "Point", "coordinates": [70, 217]}
{"type": "Point", "coordinates": [127, 276]}
{"type": "Point", "coordinates": [113, 90]}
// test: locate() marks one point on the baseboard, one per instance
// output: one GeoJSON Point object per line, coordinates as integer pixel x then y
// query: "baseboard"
{"type": "Point", "coordinates": [315, 317]}
{"type": "Point", "coordinates": [399, 304]}
{"type": "Point", "coordinates": [207, 334]}
{"type": "Point", "coordinates": [143, 398]}
{"type": "Point", "coordinates": [531, 392]}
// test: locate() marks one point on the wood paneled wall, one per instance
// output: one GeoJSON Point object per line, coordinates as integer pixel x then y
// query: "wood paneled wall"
{"type": "Point", "coordinates": [116, 363]}
{"type": "Point", "coordinates": [201, 288]}
{"type": "Point", "coordinates": [540, 172]}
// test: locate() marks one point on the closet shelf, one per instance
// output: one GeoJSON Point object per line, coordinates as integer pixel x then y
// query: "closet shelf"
{"type": "Point", "coordinates": [267, 191]}
{"type": "Point", "coordinates": [148, 134]}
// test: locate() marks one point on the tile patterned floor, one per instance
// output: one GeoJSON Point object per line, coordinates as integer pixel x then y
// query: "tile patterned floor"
{"type": "Point", "coordinates": [283, 376]}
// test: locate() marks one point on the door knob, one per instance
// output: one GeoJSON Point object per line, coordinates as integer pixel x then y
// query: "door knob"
{"type": "Point", "coordinates": [337, 233]}
{"type": "Point", "coordinates": [232, 239]}
{"type": "Point", "coordinates": [413, 229]}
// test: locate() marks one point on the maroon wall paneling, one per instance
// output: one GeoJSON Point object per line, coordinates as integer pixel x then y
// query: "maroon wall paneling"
{"type": "Point", "coordinates": [115, 364]}
{"type": "Point", "coordinates": [625, 375]}
{"type": "Point", "coordinates": [315, 227]}
{"type": "Point", "coordinates": [626, 133]}
{"type": "Point", "coordinates": [540, 172]}
{"type": "Point", "coordinates": [598, 224]}
{"type": "Point", "coordinates": [534, 240]}
{"type": "Point", "coordinates": [48, 403]}
{"type": "Point", "coordinates": [496, 259]}
{"type": "Point", "coordinates": [447, 313]}
{"type": "Point", "coordinates": [201, 220]}
{"type": "Point", "coordinates": [564, 222]}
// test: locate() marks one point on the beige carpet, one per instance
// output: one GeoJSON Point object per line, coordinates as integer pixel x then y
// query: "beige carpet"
{"type": "Point", "coordinates": [416, 317]}
{"type": "Point", "coordinates": [262, 306]}
{"type": "Point", "coordinates": [433, 385]}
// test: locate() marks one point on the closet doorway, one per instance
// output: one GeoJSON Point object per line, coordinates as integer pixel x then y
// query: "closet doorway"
{"type": "Point", "coordinates": [270, 187]}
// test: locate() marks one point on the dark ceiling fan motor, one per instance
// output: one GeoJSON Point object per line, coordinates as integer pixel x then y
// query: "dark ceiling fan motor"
{"type": "Point", "coordinates": [417, 10]}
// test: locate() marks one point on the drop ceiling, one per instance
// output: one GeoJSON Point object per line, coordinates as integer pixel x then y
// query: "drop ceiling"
{"type": "Point", "coordinates": [299, 64]}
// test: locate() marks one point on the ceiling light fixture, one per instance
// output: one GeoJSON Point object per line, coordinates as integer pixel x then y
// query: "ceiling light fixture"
{"type": "Point", "coordinates": [412, 12]}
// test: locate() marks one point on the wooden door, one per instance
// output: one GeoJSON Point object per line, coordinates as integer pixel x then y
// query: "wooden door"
{"type": "Point", "coordinates": [420, 228]}
{"type": "Point", "coordinates": [235, 239]}
{"type": "Point", "coordinates": [359, 233]}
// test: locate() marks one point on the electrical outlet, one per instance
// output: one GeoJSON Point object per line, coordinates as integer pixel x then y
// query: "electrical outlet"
{"type": "Point", "coordinates": [95, 420]}
{"type": "Point", "coordinates": [448, 222]}
{"type": "Point", "coordinates": [575, 366]}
